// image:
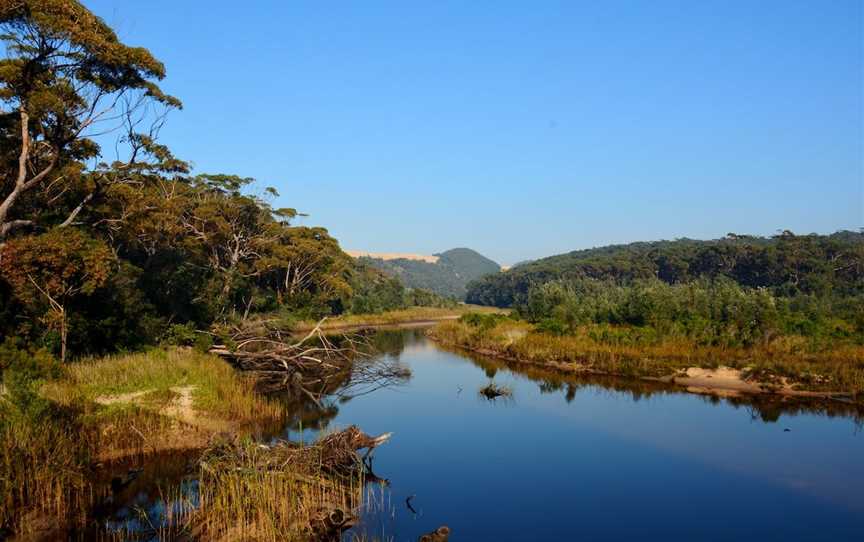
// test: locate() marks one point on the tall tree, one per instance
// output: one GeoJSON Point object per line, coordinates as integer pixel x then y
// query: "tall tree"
{"type": "Point", "coordinates": [66, 76]}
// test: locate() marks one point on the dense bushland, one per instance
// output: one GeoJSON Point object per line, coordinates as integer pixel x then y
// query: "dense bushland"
{"type": "Point", "coordinates": [712, 312]}
{"type": "Point", "coordinates": [786, 264]}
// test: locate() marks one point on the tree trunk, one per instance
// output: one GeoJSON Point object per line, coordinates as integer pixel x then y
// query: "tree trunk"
{"type": "Point", "coordinates": [63, 334]}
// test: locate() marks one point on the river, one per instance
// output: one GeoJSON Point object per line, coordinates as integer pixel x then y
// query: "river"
{"type": "Point", "coordinates": [565, 458]}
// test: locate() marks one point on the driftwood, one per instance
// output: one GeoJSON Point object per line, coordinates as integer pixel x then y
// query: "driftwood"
{"type": "Point", "coordinates": [493, 391]}
{"type": "Point", "coordinates": [337, 453]}
{"type": "Point", "coordinates": [441, 534]}
{"type": "Point", "coordinates": [312, 366]}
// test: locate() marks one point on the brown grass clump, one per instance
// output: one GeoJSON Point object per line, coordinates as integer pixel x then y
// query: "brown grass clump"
{"type": "Point", "coordinates": [44, 471]}
{"type": "Point", "coordinates": [286, 491]}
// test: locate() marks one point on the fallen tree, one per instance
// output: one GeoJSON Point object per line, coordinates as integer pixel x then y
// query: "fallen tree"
{"type": "Point", "coordinates": [314, 365]}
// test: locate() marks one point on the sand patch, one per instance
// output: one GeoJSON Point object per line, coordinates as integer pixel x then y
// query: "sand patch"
{"type": "Point", "coordinates": [392, 256]}
{"type": "Point", "coordinates": [724, 378]}
{"type": "Point", "coordinates": [181, 407]}
{"type": "Point", "coordinates": [132, 397]}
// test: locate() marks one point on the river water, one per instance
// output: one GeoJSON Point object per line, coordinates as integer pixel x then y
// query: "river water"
{"type": "Point", "coordinates": [567, 458]}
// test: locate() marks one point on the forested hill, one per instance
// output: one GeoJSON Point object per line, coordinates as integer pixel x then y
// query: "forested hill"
{"type": "Point", "coordinates": [787, 263]}
{"type": "Point", "coordinates": [448, 276]}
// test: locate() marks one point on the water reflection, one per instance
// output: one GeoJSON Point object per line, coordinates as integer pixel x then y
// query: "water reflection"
{"type": "Point", "coordinates": [767, 408]}
{"type": "Point", "coordinates": [589, 448]}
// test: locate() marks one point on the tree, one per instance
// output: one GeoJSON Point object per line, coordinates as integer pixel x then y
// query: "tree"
{"type": "Point", "coordinates": [66, 76]}
{"type": "Point", "coordinates": [48, 271]}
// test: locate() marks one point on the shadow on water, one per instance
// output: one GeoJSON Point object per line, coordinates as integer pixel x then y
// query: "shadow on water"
{"type": "Point", "coordinates": [428, 409]}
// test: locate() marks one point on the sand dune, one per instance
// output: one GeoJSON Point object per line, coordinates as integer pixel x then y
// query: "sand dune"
{"type": "Point", "coordinates": [392, 256]}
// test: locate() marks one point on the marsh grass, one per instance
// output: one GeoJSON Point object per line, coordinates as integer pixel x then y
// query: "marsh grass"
{"type": "Point", "coordinates": [240, 499]}
{"type": "Point", "coordinates": [838, 369]}
{"type": "Point", "coordinates": [107, 409]}
{"type": "Point", "coordinates": [44, 469]}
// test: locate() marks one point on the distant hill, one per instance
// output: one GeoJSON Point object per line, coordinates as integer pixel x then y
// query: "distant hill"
{"type": "Point", "coordinates": [786, 263]}
{"type": "Point", "coordinates": [446, 274]}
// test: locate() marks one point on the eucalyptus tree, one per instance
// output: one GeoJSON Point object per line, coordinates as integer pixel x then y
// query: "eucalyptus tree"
{"type": "Point", "coordinates": [65, 78]}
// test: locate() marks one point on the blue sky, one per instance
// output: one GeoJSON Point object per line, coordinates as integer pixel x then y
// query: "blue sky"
{"type": "Point", "coordinates": [521, 129]}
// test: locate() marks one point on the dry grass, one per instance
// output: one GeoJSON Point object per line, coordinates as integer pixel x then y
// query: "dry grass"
{"type": "Point", "coordinates": [404, 316]}
{"type": "Point", "coordinates": [251, 492]}
{"type": "Point", "coordinates": [840, 369]}
{"type": "Point", "coordinates": [43, 472]}
{"type": "Point", "coordinates": [108, 408]}
{"type": "Point", "coordinates": [218, 391]}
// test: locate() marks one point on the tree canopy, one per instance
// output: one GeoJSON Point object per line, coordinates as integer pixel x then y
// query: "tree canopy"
{"type": "Point", "coordinates": [98, 254]}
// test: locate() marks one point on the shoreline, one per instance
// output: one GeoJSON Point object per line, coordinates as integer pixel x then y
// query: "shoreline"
{"type": "Point", "coordinates": [720, 382]}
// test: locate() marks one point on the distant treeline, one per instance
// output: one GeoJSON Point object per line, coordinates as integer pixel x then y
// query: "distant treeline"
{"type": "Point", "coordinates": [786, 264]}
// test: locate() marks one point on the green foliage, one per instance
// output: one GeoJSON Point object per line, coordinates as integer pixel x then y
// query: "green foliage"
{"type": "Point", "coordinates": [187, 335]}
{"type": "Point", "coordinates": [448, 277]}
{"type": "Point", "coordinates": [481, 321]}
{"type": "Point", "coordinates": [375, 292]}
{"type": "Point", "coordinates": [24, 370]}
{"type": "Point", "coordinates": [716, 312]}
{"type": "Point", "coordinates": [418, 297]}
{"type": "Point", "coordinates": [786, 264]}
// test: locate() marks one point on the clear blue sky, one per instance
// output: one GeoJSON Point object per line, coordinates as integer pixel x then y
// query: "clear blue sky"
{"type": "Point", "coordinates": [521, 129]}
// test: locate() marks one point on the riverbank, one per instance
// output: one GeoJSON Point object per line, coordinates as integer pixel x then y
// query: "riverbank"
{"type": "Point", "coordinates": [414, 316]}
{"type": "Point", "coordinates": [105, 411]}
{"type": "Point", "coordinates": [776, 368]}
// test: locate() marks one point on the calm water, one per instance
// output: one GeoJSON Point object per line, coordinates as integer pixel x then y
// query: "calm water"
{"type": "Point", "coordinates": [567, 459]}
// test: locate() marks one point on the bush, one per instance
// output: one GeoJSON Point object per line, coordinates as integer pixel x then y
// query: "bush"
{"type": "Point", "coordinates": [187, 335]}
{"type": "Point", "coordinates": [481, 321]}
{"type": "Point", "coordinates": [23, 371]}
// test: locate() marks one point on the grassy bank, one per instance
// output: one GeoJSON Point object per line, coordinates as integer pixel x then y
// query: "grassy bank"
{"type": "Point", "coordinates": [100, 410]}
{"type": "Point", "coordinates": [783, 364]}
{"type": "Point", "coordinates": [397, 317]}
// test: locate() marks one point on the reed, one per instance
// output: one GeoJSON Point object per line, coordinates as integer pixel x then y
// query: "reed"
{"type": "Point", "coordinates": [106, 409]}
{"type": "Point", "coordinates": [251, 492]}
{"type": "Point", "coordinates": [44, 471]}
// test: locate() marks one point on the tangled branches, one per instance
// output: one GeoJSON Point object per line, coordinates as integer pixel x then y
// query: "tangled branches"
{"type": "Point", "coordinates": [313, 366]}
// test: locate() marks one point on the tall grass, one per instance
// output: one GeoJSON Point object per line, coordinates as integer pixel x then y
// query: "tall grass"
{"type": "Point", "coordinates": [44, 469]}
{"type": "Point", "coordinates": [47, 453]}
{"type": "Point", "coordinates": [245, 493]}
{"type": "Point", "coordinates": [217, 389]}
